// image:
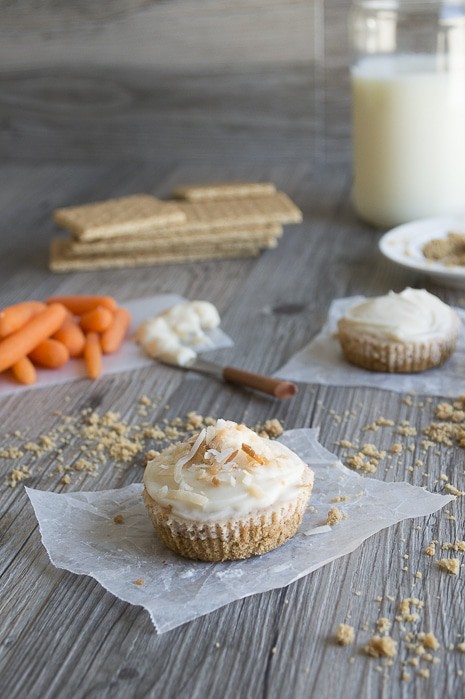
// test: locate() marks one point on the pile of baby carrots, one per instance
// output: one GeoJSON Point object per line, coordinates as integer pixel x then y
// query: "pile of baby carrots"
{"type": "Point", "coordinates": [48, 334]}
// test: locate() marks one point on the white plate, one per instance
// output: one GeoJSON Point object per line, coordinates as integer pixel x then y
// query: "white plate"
{"type": "Point", "coordinates": [404, 245]}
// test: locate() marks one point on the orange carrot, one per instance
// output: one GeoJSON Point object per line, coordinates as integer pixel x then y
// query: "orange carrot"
{"type": "Point", "coordinates": [96, 321]}
{"type": "Point", "coordinates": [93, 355]}
{"type": "Point", "coordinates": [20, 343]}
{"type": "Point", "coordinates": [71, 335]}
{"type": "Point", "coordinates": [49, 353]}
{"type": "Point", "coordinates": [24, 371]}
{"type": "Point", "coordinates": [14, 317]}
{"type": "Point", "coordinates": [83, 304]}
{"type": "Point", "coordinates": [112, 338]}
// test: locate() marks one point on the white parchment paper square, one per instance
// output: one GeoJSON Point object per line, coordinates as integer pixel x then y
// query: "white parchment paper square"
{"type": "Point", "coordinates": [129, 356]}
{"type": "Point", "coordinates": [322, 362]}
{"type": "Point", "coordinates": [80, 536]}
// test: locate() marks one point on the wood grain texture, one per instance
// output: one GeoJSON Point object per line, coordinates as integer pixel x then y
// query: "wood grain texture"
{"type": "Point", "coordinates": [272, 105]}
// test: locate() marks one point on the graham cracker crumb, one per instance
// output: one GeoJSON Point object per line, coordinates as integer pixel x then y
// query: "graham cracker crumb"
{"type": "Point", "coordinates": [431, 549]}
{"type": "Point", "coordinates": [460, 647]}
{"type": "Point", "coordinates": [139, 581]}
{"type": "Point", "coordinates": [334, 516]}
{"type": "Point", "coordinates": [429, 640]}
{"type": "Point", "coordinates": [381, 646]}
{"type": "Point", "coordinates": [118, 519]}
{"type": "Point", "coordinates": [383, 624]}
{"type": "Point", "coordinates": [451, 565]}
{"type": "Point", "coordinates": [345, 634]}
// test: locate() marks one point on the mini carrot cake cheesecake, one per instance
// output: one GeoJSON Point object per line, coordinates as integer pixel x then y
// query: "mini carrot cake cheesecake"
{"type": "Point", "coordinates": [399, 333]}
{"type": "Point", "coordinates": [226, 493]}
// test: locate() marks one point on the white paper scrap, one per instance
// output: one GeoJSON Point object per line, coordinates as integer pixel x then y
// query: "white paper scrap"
{"type": "Point", "coordinates": [322, 362]}
{"type": "Point", "coordinates": [130, 355]}
{"type": "Point", "coordinates": [80, 535]}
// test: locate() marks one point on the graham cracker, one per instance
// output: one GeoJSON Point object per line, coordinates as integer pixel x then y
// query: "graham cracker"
{"type": "Point", "coordinates": [114, 217]}
{"type": "Point", "coordinates": [227, 190]}
{"type": "Point", "coordinates": [259, 235]}
{"type": "Point", "coordinates": [62, 260]}
{"type": "Point", "coordinates": [204, 216]}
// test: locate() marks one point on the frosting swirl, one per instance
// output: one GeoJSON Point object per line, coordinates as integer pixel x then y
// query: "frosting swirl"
{"type": "Point", "coordinates": [412, 315]}
{"type": "Point", "coordinates": [226, 471]}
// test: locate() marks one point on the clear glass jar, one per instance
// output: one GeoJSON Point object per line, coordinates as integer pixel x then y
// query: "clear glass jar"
{"type": "Point", "coordinates": [408, 99]}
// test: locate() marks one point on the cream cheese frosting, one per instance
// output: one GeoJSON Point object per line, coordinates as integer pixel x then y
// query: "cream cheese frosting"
{"type": "Point", "coordinates": [173, 335]}
{"type": "Point", "coordinates": [411, 315]}
{"type": "Point", "coordinates": [226, 471]}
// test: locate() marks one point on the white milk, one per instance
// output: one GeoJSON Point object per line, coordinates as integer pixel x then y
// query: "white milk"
{"type": "Point", "coordinates": [409, 139]}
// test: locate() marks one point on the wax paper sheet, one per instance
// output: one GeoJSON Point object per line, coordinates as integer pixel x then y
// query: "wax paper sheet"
{"type": "Point", "coordinates": [322, 361]}
{"type": "Point", "coordinates": [129, 356]}
{"type": "Point", "coordinates": [80, 535]}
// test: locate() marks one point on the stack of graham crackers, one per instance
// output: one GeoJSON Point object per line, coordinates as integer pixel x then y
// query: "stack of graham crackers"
{"type": "Point", "coordinates": [202, 222]}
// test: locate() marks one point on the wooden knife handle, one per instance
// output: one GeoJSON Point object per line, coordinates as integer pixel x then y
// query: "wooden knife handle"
{"type": "Point", "coordinates": [266, 384]}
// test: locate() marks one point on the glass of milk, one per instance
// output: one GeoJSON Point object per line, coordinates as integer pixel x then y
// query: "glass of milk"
{"type": "Point", "coordinates": [408, 96]}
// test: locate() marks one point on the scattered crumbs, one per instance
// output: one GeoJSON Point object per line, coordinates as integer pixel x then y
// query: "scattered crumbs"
{"type": "Point", "coordinates": [65, 480]}
{"type": "Point", "coordinates": [453, 490]}
{"type": "Point", "coordinates": [405, 613]}
{"type": "Point", "coordinates": [429, 640]}
{"type": "Point", "coordinates": [217, 645]}
{"type": "Point", "coordinates": [451, 565]}
{"type": "Point", "coordinates": [118, 519]}
{"type": "Point", "coordinates": [357, 593]}
{"type": "Point", "coordinates": [391, 598]}
{"type": "Point", "coordinates": [460, 647]}
{"type": "Point", "coordinates": [273, 650]}
{"type": "Point", "coordinates": [458, 545]}
{"type": "Point", "coordinates": [431, 549]}
{"type": "Point", "coordinates": [341, 498]}
{"type": "Point", "coordinates": [381, 646]}
{"type": "Point", "coordinates": [16, 475]}
{"type": "Point", "coordinates": [371, 450]}
{"type": "Point", "coordinates": [378, 598]}
{"type": "Point", "coordinates": [419, 575]}
{"type": "Point", "coordinates": [346, 444]}
{"type": "Point", "coordinates": [334, 516]}
{"type": "Point", "coordinates": [385, 422]}
{"type": "Point", "coordinates": [424, 672]}
{"type": "Point", "coordinates": [345, 634]}
{"type": "Point", "coordinates": [139, 581]}
{"type": "Point", "coordinates": [359, 463]}
{"type": "Point", "coordinates": [383, 624]}
{"type": "Point", "coordinates": [407, 431]}
{"type": "Point", "coordinates": [145, 400]}
{"type": "Point", "coordinates": [405, 677]}
{"type": "Point", "coordinates": [407, 400]}
{"type": "Point", "coordinates": [270, 428]}
{"type": "Point", "coordinates": [396, 448]}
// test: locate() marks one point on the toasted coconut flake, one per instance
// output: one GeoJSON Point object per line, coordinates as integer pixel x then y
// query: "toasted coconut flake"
{"type": "Point", "coordinates": [190, 455]}
{"type": "Point", "coordinates": [253, 454]}
{"type": "Point", "coordinates": [232, 456]}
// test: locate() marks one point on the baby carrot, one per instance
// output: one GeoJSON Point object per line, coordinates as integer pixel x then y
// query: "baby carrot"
{"type": "Point", "coordinates": [83, 304]}
{"type": "Point", "coordinates": [24, 371]}
{"type": "Point", "coordinates": [93, 355]}
{"type": "Point", "coordinates": [14, 317]}
{"type": "Point", "coordinates": [20, 343]}
{"type": "Point", "coordinates": [112, 338]}
{"type": "Point", "coordinates": [71, 335]}
{"type": "Point", "coordinates": [97, 320]}
{"type": "Point", "coordinates": [49, 353]}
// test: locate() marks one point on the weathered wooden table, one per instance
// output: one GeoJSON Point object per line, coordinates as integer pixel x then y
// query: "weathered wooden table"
{"type": "Point", "coordinates": [77, 135]}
